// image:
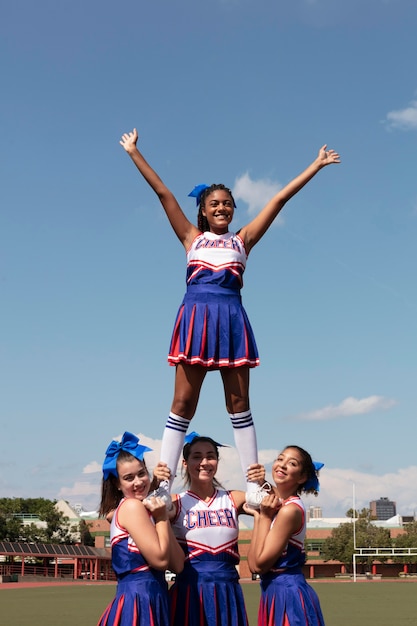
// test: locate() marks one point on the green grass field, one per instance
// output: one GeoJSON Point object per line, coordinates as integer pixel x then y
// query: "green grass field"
{"type": "Point", "coordinates": [343, 604]}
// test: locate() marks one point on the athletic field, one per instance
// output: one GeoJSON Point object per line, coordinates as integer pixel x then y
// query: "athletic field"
{"type": "Point", "coordinates": [343, 603]}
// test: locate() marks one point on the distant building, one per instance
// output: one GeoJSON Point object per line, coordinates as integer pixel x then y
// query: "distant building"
{"type": "Point", "coordinates": [383, 508]}
{"type": "Point", "coordinates": [314, 512]}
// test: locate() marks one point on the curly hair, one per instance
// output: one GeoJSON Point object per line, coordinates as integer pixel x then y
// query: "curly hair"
{"type": "Point", "coordinates": [202, 223]}
{"type": "Point", "coordinates": [308, 468]}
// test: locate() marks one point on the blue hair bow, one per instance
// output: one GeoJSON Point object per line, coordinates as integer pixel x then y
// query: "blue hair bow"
{"type": "Point", "coordinates": [313, 482]}
{"type": "Point", "coordinates": [191, 436]}
{"type": "Point", "coordinates": [197, 191]}
{"type": "Point", "coordinates": [129, 443]}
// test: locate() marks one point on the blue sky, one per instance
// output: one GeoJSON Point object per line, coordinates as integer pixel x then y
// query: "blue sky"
{"type": "Point", "coordinates": [232, 91]}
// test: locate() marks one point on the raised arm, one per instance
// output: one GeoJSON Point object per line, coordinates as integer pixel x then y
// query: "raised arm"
{"type": "Point", "coordinates": [252, 232]}
{"type": "Point", "coordinates": [175, 552]}
{"type": "Point", "coordinates": [268, 543]}
{"type": "Point", "coordinates": [155, 541]}
{"type": "Point", "coordinates": [183, 228]}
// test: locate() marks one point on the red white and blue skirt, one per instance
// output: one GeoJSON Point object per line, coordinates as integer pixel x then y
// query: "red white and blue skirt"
{"type": "Point", "coordinates": [208, 596]}
{"type": "Point", "coordinates": [141, 600]}
{"type": "Point", "coordinates": [288, 600]}
{"type": "Point", "coordinates": [212, 329]}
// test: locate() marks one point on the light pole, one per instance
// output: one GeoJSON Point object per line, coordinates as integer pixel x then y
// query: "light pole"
{"type": "Point", "coordinates": [354, 532]}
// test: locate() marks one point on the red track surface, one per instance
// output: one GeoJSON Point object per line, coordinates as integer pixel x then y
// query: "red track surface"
{"type": "Point", "coordinates": [52, 583]}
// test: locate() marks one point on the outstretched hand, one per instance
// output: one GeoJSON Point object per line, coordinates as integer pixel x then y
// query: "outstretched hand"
{"type": "Point", "coordinates": [326, 157]}
{"type": "Point", "coordinates": [128, 140]}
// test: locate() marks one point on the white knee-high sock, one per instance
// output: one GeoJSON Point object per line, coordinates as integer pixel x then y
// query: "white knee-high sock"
{"type": "Point", "coordinates": [245, 440]}
{"type": "Point", "coordinates": [172, 442]}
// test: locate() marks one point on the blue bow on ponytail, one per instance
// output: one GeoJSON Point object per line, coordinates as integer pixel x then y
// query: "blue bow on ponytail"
{"type": "Point", "coordinates": [129, 443]}
{"type": "Point", "coordinates": [197, 191]}
{"type": "Point", "coordinates": [191, 436]}
{"type": "Point", "coordinates": [313, 482]}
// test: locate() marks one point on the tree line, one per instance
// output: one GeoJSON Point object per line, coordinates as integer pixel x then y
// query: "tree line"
{"type": "Point", "coordinates": [56, 527]}
{"type": "Point", "coordinates": [340, 545]}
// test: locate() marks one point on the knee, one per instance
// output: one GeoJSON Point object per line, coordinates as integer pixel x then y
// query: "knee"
{"type": "Point", "coordinates": [183, 406]}
{"type": "Point", "coordinates": [238, 405]}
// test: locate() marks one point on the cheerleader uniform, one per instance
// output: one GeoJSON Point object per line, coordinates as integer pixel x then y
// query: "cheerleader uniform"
{"type": "Point", "coordinates": [286, 597]}
{"type": "Point", "coordinates": [142, 593]}
{"type": "Point", "coordinates": [212, 328]}
{"type": "Point", "coordinates": [207, 592]}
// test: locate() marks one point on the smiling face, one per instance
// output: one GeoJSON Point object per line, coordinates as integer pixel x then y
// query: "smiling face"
{"type": "Point", "coordinates": [288, 471]}
{"type": "Point", "coordinates": [134, 481]}
{"type": "Point", "coordinates": [202, 462]}
{"type": "Point", "coordinates": [218, 210]}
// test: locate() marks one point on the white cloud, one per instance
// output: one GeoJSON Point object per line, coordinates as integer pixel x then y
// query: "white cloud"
{"type": "Point", "coordinates": [92, 468]}
{"type": "Point", "coordinates": [256, 193]}
{"type": "Point", "coordinates": [348, 407]}
{"type": "Point", "coordinates": [79, 491]}
{"type": "Point", "coordinates": [337, 485]}
{"type": "Point", "coordinates": [404, 119]}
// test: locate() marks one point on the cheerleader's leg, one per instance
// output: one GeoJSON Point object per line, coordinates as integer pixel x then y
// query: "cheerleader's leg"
{"type": "Point", "coordinates": [188, 381]}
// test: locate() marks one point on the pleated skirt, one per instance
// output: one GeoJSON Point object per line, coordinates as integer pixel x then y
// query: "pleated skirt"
{"type": "Point", "coordinates": [207, 598]}
{"type": "Point", "coordinates": [212, 329]}
{"type": "Point", "coordinates": [288, 600]}
{"type": "Point", "coordinates": [141, 600]}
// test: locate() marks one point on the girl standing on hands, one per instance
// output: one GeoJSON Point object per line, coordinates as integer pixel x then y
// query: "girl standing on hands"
{"type": "Point", "coordinates": [143, 545]}
{"type": "Point", "coordinates": [277, 547]}
{"type": "Point", "coordinates": [212, 330]}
